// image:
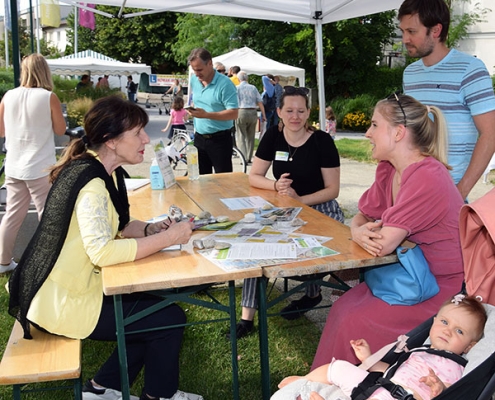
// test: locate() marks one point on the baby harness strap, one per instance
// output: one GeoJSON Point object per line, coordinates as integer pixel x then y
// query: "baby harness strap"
{"type": "Point", "coordinates": [376, 380]}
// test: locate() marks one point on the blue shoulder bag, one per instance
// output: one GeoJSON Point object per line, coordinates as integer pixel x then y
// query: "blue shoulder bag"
{"type": "Point", "coordinates": [406, 282]}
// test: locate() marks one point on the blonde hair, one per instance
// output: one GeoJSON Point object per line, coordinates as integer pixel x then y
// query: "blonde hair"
{"type": "Point", "coordinates": [35, 72]}
{"type": "Point", "coordinates": [428, 135]}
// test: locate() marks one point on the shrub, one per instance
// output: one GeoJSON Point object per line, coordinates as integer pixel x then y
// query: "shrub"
{"type": "Point", "coordinates": [77, 109]}
{"type": "Point", "coordinates": [356, 121]}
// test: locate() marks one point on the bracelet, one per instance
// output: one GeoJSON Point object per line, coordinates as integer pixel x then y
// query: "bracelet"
{"type": "Point", "coordinates": [146, 229]}
{"type": "Point", "coordinates": [275, 185]}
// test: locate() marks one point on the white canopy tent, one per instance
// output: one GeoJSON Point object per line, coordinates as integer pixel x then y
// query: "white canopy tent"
{"type": "Point", "coordinates": [94, 63]}
{"type": "Point", "coordinates": [257, 64]}
{"type": "Point", "coordinates": [314, 12]}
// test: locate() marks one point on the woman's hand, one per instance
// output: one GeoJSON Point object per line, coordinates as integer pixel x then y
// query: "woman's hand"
{"type": "Point", "coordinates": [180, 232]}
{"type": "Point", "coordinates": [159, 226]}
{"type": "Point", "coordinates": [283, 186]}
{"type": "Point", "coordinates": [366, 234]}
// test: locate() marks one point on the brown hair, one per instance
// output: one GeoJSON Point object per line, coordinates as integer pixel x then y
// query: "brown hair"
{"type": "Point", "coordinates": [430, 13]}
{"type": "Point", "coordinates": [329, 114]}
{"type": "Point", "coordinates": [472, 306]}
{"type": "Point", "coordinates": [178, 103]}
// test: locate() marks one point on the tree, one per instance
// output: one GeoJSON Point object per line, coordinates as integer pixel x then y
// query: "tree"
{"type": "Point", "coordinates": [24, 36]}
{"type": "Point", "coordinates": [460, 21]}
{"type": "Point", "coordinates": [144, 39]}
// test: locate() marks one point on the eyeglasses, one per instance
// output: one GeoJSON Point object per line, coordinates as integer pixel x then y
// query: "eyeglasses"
{"type": "Point", "coordinates": [222, 71]}
{"type": "Point", "coordinates": [394, 96]}
{"type": "Point", "coordinates": [290, 90]}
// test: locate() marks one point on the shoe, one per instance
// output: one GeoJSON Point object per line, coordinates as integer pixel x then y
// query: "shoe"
{"type": "Point", "coordinates": [179, 395]}
{"type": "Point", "coordinates": [305, 303]}
{"type": "Point", "coordinates": [8, 268]}
{"type": "Point", "coordinates": [241, 331]}
{"type": "Point", "coordinates": [91, 393]}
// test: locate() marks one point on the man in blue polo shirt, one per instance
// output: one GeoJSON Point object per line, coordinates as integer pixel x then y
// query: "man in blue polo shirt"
{"type": "Point", "coordinates": [215, 109]}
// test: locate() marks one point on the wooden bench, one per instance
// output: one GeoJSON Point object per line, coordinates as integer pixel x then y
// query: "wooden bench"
{"type": "Point", "coordinates": [45, 358]}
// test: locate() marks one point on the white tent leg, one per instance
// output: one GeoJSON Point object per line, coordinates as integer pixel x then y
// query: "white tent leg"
{"type": "Point", "coordinates": [320, 79]}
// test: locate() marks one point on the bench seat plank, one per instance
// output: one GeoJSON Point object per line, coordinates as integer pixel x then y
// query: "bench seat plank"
{"type": "Point", "coordinates": [44, 358]}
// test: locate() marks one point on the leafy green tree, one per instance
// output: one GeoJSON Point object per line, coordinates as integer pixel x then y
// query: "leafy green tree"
{"type": "Point", "coordinates": [46, 48]}
{"type": "Point", "coordinates": [144, 39]}
{"type": "Point", "coordinates": [461, 21]}
{"type": "Point", "coordinates": [351, 48]}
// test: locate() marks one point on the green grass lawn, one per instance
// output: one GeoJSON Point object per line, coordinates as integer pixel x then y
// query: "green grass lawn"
{"type": "Point", "coordinates": [355, 149]}
{"type": "Point", "coordinates": [205, 355]}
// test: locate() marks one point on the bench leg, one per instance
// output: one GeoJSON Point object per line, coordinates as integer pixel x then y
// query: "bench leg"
{"type": "Point", "coordinates": [78, 389]}
{"type": "Point", "coordinates": [17, 392]}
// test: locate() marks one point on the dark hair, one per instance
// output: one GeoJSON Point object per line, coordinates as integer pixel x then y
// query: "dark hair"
{"type": "Point", "coordinates": [474, 307]}
{"type": "Point", "coordinates": [428, 135]}
{"type": "Point", "coordinates": [178, 103]}
{"type": "Point", "coordinates": [85, 76]}
{"type": "Point", "coordinates": [108, 118]}
{"type": "Point", "coordinates": [235, 69]}
{"type": "Point", "coordinates": [430, 13]}
{"type": "Point", "coordinates": [201, 53]}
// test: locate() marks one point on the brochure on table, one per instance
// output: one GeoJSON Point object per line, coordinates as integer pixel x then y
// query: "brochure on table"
{"type": "Point", "coordinates": [163, 162]}
{"type": "Point", "coordinates": [254, 245]}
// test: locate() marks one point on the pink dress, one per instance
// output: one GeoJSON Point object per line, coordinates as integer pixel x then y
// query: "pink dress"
{"type": "Point", "coordinates": [427, 206]}
{"type": "Point", "coordinates": [348, 376]}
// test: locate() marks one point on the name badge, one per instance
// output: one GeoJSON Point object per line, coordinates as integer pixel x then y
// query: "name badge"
{"type": "Point", "coordinates": [281, 156]}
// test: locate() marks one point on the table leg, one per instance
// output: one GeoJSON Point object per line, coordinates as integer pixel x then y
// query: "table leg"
{"type": "Point", "coordinates": [263, 333]}
{"type": "Point", "coordinates": [119, 321]}
{"type": "Point", "coordinates": [233, 340]}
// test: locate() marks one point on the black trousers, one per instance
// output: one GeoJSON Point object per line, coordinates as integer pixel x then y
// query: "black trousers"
{"type": "Point", "coordinates": [156, 351]}
{"type": "Point", "coordinates": [214, 152]}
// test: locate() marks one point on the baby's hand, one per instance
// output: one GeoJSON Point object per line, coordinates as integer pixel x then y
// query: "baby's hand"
{"type": "Point", "coordinates": [361, 349]}
{"type": "Point", "coordinates": [434, 383]}
{"type": "Point", "coordinates": [288, 380]}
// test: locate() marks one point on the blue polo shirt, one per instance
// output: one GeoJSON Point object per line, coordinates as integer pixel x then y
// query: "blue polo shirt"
{"type": "Point", "coordinates": [219, 95]}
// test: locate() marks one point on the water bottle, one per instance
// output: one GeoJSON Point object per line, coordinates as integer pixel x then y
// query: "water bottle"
{"type": "Point", "coordinates": [156, 177]}
{"type": "Point", "coordinates": [192, 162]}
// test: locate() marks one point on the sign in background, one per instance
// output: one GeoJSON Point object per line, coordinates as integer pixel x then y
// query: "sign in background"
{"type": "Point", "coordinates": [168, 80]}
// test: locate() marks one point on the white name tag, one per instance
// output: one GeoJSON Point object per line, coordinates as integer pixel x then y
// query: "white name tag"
{"type": "Point", "coordinates": [281, 156]}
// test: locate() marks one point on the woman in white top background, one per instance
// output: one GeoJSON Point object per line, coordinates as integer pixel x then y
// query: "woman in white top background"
{"type": "Point", "coordinates": [30, 116]}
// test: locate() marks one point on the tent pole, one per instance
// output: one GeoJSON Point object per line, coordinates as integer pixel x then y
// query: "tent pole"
{"type": "Point", "coordinates": [76, 23]}
{"type": "Point", "coordinates": [6, 41]}
{"type": "Point", "coordinates": [320, 79]}
{"type": "Point", "coordinates": [31, 25]}
{"type": "Point", "coordinates": [39, 31]}
{"type": "Point", "coordinates": [16, 53]}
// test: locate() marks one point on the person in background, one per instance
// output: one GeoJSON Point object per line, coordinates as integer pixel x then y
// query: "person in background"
{"type": "Point", "coordinates": [131, 89]}
{"type": "Point", "coordinates": [457, 83]}
{"type": "Point", "coordinates": [86, 227]}
{"type": "Point", "coordinates": [330, 122]}
{"type": "Point", "coordinates": [269, 101]}
{"type": "Point", "coordinates": [98, 84]}
{"type": "Point", "coordinates": [306, 167]}
{"type": "Point", "coordinates": [428, 370]}
{"type": "Point", "coordinates": [30, 116]}
{"type": "Point", "coordinates": [233, 71]}
{"type": "Point", "coordinates": [178, 117]}
{"type": "Point", "coordinates": [249, 101]}
{"type": "Point", "coordinates": [215, 109]}
{"type": "Point", "coordinates": [279, 90]}
{"type": "Point", "coordinates": [220, 68]}
{"type": "Point", "coordinates": [104, 82]}
{"type": "Point", "coordinates": [84, 84]}
{"type": "Point", "coordinates": [414, 198]}
{"type": "Point", "coordinates": [175, 89]}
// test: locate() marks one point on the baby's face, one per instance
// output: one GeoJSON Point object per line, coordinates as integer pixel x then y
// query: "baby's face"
{"type": "Point", "coordinates": [453, 330]}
